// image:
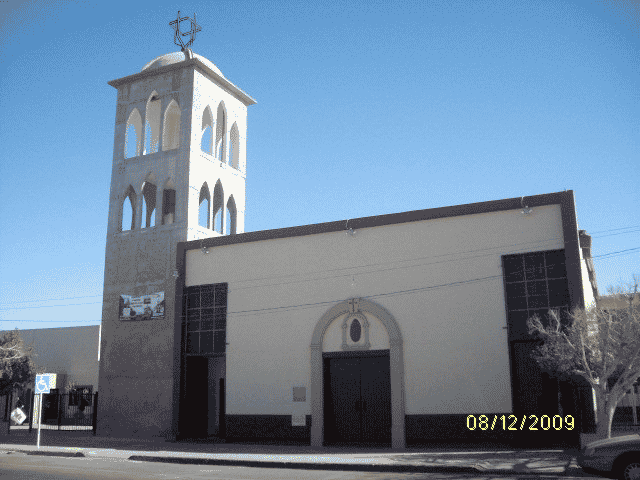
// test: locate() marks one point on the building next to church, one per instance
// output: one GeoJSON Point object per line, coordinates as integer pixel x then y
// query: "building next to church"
{"type": "Point", "coordinates": [72, 353]}
{"type": "Point", "coordinates": [391, 329]}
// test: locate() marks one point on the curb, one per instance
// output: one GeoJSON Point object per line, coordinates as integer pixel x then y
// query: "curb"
{"type": "Point", "coordinates": [347, 467]}
{"type": "Point", "coordinates": [46, 453]}
{"type": "Point", "coordinates": [308, 466]}
{"type": "Point", "coordinates": [372, 467]}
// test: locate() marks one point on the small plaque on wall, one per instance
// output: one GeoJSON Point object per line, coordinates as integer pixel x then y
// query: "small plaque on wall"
{"type": "Point", "coordinates": [145, 307]}
{"type": "Point", "coordinates": [299, 394]}
{"type": "Point", "coordinates": [299, 420]}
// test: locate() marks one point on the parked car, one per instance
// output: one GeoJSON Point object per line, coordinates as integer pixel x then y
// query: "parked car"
{"type": "Point", "coordinates": [619, 456]}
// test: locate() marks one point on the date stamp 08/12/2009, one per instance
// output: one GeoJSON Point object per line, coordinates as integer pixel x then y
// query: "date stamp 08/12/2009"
{"type": "Point", "coordinates": [515, 422]}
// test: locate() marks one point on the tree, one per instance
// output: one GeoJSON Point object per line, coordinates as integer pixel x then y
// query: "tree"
{"type": "Point", "coordinates": [600, 345]}
{"type": "Point", "coordinates": [17, 369]}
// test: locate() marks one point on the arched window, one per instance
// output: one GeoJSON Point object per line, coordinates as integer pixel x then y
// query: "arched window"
{"type": "Point", "coordinates": [149, 205]}
{"type": "Point", "coordinates": [128, 210]}
{"type": "Point", "coordinates": [152, 125]}
{"type": "Point", "coordinates": [171, 127]}
{"type": "Point", "coordinates": [203, 210]}
{"type": "Point", "coordinates": [206, 144]}
{"type": "Point", "coordinates": [218, 206]}
{"type": "Point", "coordinates": [133, 135]}
{"type": "Point", "coordinates": [234, 149]}
{"type": "Point", "coordinates": [168, 203]}
{"type": "Point", "coordinates": [230, 226]}
{"type": "Point", "coordinates": [221, 130]}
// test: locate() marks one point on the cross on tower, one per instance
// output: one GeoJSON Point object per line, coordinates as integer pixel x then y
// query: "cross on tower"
{"type": "Point", "coordinates": [178, 34]}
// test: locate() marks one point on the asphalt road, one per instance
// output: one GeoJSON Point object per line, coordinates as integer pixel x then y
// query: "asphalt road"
{"type": "Point", "coordinates": [19, 466]}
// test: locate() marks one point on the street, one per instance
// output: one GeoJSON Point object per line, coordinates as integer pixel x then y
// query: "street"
{"type": "Point", "coordinates": [19, 466]}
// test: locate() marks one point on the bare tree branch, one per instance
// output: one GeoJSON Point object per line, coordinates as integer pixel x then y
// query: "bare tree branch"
{"type": "Point", "coordinates": [600, 345]}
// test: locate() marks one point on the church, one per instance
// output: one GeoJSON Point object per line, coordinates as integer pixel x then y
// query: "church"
{"type": "Point", "coordinates": [388, 330]}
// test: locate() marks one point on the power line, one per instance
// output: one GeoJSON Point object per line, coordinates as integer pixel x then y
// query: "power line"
{"type": "Point", "coordinates": [607, 255]}
{"type": "Point", "coordinates": [617, 233]}
{"type": "Point", "coordinates": [54, 321]}
{"type": "Point", "coordinates": [329, 302]}
{"type": "Point", "coordinates": [306, 306]}
{"type": "Point", "coordinates": [614, 229]}
{"type": "Point", "coordinates": [349, 269]}
{"type": "Point", "coordinates": [311, 305]}
{"type": "Point", "coordinates": [352, 268]}
{"type": "Point", "coordinates": [54, 299]}
{"type": "Point", "coordinates": [51, 306]}
{"type": "Point", "coordinates": [630, 250]}
{"type": "Point", "coordinates": [346, 268]}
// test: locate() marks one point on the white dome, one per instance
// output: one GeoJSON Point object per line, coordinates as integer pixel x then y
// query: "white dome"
{"type": "Point", "coordinates": [176, 57]}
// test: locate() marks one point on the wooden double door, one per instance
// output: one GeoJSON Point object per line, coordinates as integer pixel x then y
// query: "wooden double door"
{"type": "Point", "coordinates": [357, 398]}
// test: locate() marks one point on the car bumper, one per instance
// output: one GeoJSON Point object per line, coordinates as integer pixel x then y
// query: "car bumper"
{"type": "Point", "coordinates": [597, 462]}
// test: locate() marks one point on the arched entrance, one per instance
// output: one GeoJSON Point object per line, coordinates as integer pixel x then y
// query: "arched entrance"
{"type": "Point", "coordinates": [396, 368]}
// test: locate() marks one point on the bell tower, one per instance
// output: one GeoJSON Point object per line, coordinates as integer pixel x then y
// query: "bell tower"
{"type": "Point", "coordinates": [179, 172]}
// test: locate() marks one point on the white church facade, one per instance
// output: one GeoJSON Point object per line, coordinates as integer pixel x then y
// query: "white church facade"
{"type": "Point", "coordinates": [393, 329]}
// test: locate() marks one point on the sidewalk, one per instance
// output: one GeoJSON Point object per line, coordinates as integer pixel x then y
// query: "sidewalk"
{"type": "Point", "coordinates": [435, 458]}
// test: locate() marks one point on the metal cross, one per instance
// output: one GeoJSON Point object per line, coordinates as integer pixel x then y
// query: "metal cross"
{"type": "Point", "coordinates": [178, 34]}
{"type": "Point", "coordinates": [354, 305]}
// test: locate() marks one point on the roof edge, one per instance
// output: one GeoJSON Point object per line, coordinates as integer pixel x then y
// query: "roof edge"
{"type": "Point", "coordinates": [387, 219]}
{"type": "Point", "coordinates": [220, 80]}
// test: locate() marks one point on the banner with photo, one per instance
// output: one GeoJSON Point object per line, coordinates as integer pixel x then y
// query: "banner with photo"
{"type": "Point", "coordinates": [146, 307]}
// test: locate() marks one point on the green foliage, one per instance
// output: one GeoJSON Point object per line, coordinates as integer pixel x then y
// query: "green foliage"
{"type": "Point", "coordinates": [17, 370]}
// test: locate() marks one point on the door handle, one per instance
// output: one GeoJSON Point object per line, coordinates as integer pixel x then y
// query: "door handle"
{"type": "Point", "coordinates": [364, 406]}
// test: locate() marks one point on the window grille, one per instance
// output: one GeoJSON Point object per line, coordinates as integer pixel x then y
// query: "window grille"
{"type": "Point", "coordinates": [204, 319]}
{"type": "Point", "coordinates": [535, 283]}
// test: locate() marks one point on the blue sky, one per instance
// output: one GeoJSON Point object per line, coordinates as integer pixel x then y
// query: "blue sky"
{"type": "Point", "coordinates": [364, 108]}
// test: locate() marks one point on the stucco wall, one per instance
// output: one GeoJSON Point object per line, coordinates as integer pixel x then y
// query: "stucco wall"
{"type": "Point", "coordinates": [206, 167]}
{"type": "Point", "coordinates": [455, 337]}
{"type": "Point", "coordinates": [137, 368]}
{"type": "Point", "coordinates": [137, 360]}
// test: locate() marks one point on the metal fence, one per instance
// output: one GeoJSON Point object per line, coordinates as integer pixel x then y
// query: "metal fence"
{"type": "Point", "coordinates": [68, 411]}
{"type": "Point", "coordinates": [627, 412]}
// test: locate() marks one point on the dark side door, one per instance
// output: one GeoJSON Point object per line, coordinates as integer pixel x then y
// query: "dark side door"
{"type": "Point", "coordinates": [194, 405]}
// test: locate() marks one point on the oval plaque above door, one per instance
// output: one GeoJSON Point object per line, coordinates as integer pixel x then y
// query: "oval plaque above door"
{"type": "Point", "coordinates": [355, 330]}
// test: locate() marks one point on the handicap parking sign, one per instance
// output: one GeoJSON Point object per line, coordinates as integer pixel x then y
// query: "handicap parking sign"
{"type": "Point", "coordinates": [45, 382]}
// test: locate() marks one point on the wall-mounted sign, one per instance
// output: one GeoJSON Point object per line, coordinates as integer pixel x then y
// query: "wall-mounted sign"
{"type": "Point", "coordinates": [146, 307]}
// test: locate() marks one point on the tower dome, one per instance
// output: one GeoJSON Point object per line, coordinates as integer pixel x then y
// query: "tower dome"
{"type": "Point", "coordinates": [176, 57]}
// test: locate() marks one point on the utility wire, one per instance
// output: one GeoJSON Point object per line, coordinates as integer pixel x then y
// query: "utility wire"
{"type": "Point", "coordinates": [350, 268]}
{"type": "Point", "coordinates": [607, 255]}
{"type": "Point", "coordinates": [311, 305]}
{"type": "Point", "coordinates": [321, 271]}
{"type": "Point", "coordinates": [325, 277]}
{"type": "Point", "coordinates": [630, 250]}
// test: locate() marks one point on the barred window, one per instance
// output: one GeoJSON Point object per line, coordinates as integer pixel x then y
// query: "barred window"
{"type": "Point", "coordinates": [535, 283]}
{"type": "Point", "coordinates": [204, 319]}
